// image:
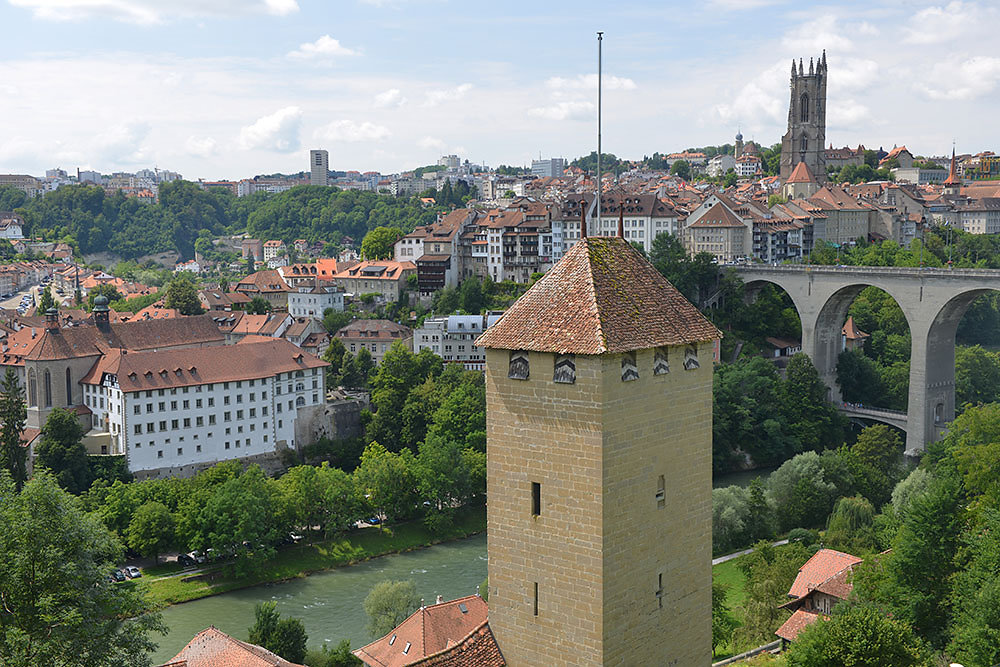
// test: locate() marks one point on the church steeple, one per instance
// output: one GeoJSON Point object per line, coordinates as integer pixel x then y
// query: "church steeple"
{"type": "Point", "coordinates": [953, 183]}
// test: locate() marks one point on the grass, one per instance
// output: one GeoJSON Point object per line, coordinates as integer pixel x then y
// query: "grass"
{"type": "Point", "coordinates": [301, 560]}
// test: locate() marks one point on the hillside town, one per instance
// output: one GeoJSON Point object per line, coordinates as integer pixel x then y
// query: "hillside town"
{"type": "Point", "coordinates": [727, 404]}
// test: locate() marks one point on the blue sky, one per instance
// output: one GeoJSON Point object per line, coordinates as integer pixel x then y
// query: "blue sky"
{"type": "Point", "coordinates": [227, 89]}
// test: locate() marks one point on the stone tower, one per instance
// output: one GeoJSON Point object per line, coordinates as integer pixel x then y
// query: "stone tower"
{"type": "Point", "coordinates": [599, 445]}
{"type": "Point", "coordinates": [738, 152]}
{"type": "Point", "coordinates": [805, 140]}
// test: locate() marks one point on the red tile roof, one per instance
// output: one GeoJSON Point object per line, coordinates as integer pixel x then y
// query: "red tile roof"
{"type": "Point", "coordinates": [824, 564]}
{"type": "Point", "coordinates": [214, 648]}
{"type": "Point", "coordinates": [427, 631]}
{"type": "Point", "coordinates": [602, 296]}
{"type": "Point", "coordinates": [161, 369]}
{"type": "Point", "coordinates": [478, 649]}
{"type": "Point", "coordinates": [801, 174]}
{"type": "Point", "coordinates": [718, 216]}
{"type": "Point", "coordinates": [851, 330]}
{"type": "Point", "coordinates": [798, 621]}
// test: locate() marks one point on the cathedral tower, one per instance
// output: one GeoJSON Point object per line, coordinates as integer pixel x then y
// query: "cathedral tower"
{"type": "Point", "coordinates": [805, 140]}
{"type": "Point", "coordinates": [599, 447]}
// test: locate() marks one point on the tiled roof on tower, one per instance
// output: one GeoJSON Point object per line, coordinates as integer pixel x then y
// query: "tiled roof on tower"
{"type": "Point", "coordinates": [602, 296]}
{"type": "Point", "coordinates": [801, 174]}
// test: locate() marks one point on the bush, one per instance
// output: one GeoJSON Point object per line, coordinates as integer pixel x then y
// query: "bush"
{"type": "Point", "coordinates": [803, 535]}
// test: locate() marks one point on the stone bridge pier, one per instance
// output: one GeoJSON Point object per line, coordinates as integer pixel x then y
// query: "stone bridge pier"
{"type": "Point", "coordinates": [933, 301]}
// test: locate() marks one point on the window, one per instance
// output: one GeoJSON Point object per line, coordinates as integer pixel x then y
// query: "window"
{"type": "Point", "coordinates": [211, 420]}
{"type": "Point", "coordinates": [137, 409]}
{"type": "Point", "coordinates": [518, 368]}
{"type": "Point", "coordinates": [197, 449]}
{"type": "Point", "coordinates": [159, 453]}
{"type": "Point", "coordinates": [253, 412]}
{"type": "Point", "coordinates": [187, 422]}
{"type": "Point", "coordinates": [630, 371]}
{"type": "Point", "coordinates": [227, 416]}
{"type": "Point", "coordinates": [162, 406]}
{"type": "Point", "coordinates": [186, 405]}
{"type": "Point", "coordinates": [173, 405]}
{"type": "Point", "coordinates": [69, 389]}
{"type": "Point", "coordinates": [199, 421]}
{"type": "Point", "coordinates": [804, 108]}
{"type": "Point", "coordinates": [239, 398]}
{"type": "Point", "coordinates": [150, 427]}
{"type": "Point", "coordinates": [659, 590]}
{"type": "Point", "coordinates": [536, 499]}
{"type": "Point", "coordinates": [661, 493]}
{"type": "Point", "coordinates": [173, 423]}
{"type": "Point", "coordinates": [211, 401]}
{"type": "Point", "coordinates": [299, 402]}
{"type": "Point", "coordinates": [535, 611]}
{"type": "Point", "coordinates": [565, 369]}
{"type": "Point", "coordinates": [197, 403]}
{"type": "Point", "coordinates": [279, 407]}
{"type": "Point", "coordinates": [138, 429]}
{"type": "Point", "coordinates": [225, 400]}
{"type": "Point", "coordinates": [163, 426]}
{"type": "Point", "coordinates": [180, 451]}
{"type": "Point", "coordinates": [227, 444]}
{"type": "Point", "coordinates": [48, 389]}
{"type": "Point", "coordinates": [263, 395]}
{"type": "Point", "coordinates": [32, 388]}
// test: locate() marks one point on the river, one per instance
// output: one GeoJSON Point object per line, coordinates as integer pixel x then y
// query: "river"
{"type": "Point", "coordinates": [741, 477]}
{"type": "Point", "coordinates": [329, 603]}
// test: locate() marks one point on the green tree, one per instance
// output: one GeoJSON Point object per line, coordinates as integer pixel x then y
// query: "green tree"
{"type": "Point", "coordinates": [859, 378]}
{"type": "Point", "coordinates": [61, 450]}
{"type": "Point", "coordinates": [975, 597]}
{"type": "Point", "coordinates": [380, 242]}
{"type": "Point", "coordinates": [58, 606]}
{"type": "Point", "coordinates": [12, 415]}
{"type": "Point", "coordinates": [183, 295]}
{"type": "Point", "coordinates": [805, 487]}
{"type": "Point", "coordinates": [811, 419]}
{"type": "Point", "coordinates": [107, 290]}
{"type": "Point", "coordinates": [682, 169]}
{"type": "Point", "coordinates": [285, 637]}
{"type": "Point", "coordinates": [258, 306]}
{"type": "Point", "coordinates": [45, 301]}
{"type": "Point", "coordinates": [723, 621]}
{"type": "Point", "coordinates": [388, 604]}
{"type": "Point", "coordinates": [471, 295]}
{"type": "Point", "coordinates": [151, 530]}
{"type": "Point", "coordinates": [850, 526]}
{"type": "Point", "coordinates": [335, 320]}
{"type": "Point", "coordinates": [387, 481]}
{"type": "Point", "coordinates": [769, 573]}
{"type": "Point", "coordinates": [861, 636]}
{"type": "Point", "coordinates": [334, 354]}
{"type": "Point", "coordinates": [977, 375]}
{"type": "Point", "coordinates": [338, 656]}
{"type": "Point", "coordinates": [356, 371]}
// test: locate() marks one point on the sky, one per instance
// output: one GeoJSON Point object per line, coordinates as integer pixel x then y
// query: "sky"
{"type": "Point", "coordinates": [225, 89]}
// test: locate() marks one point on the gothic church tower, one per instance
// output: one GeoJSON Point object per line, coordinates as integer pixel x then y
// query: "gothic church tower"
{"type": "Point", "coordinates": [599, 447]}
{"type": "Point", "coordinates": [805, 140]}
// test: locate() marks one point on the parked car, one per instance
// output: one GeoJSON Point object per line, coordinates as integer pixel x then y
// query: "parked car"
{"type": "Point", "coordinates": [196, 556]}
{"type": "Point", "coordinates": [185, 561]}
{"type": "Point", "coordinates": [117, 576]}
{"type": "Point", "coordinates": [373, 521]}
{"type": "Point", "coordinates": [132, 572]}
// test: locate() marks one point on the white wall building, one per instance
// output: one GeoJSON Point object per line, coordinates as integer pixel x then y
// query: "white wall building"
{"type": "Point", "coordinates": [453, 338]}
{"type": "Point", "coordinates": [308, 301]}
{"type": "Point", "coordinates": [172, 409]}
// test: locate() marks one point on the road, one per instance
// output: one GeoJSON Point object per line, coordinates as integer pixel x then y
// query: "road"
{"type": "Point", "coordinates": [13, 302]}
{"type": "Point", "coordinates": [723, 559]}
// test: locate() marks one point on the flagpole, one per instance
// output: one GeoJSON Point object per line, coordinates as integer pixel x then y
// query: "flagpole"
{"type": "Point", "coordinates": [600, 38]}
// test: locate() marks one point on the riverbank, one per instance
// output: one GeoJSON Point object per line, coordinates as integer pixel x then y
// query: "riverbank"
{"type": "Point", "coordinates": [304, 559]}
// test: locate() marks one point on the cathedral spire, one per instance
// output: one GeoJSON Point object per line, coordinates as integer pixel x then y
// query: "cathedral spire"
{"type": "Point", "coordinates": [811, 71]}
{"type": "Point", "coordinates": [793, 68]}
{"type": "Point", "coordinates": [801, 72]}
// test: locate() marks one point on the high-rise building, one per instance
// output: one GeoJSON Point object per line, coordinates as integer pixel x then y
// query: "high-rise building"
{"type": "Point", "coordinates": [450, 161]}
{"type": "Point", "coordinates": [805, 140]}
{"type": "Point", "coordinates": [552, 167]}
{"type": "Point", "coordinates": [599, 443]}
{"type": "Point", "coordinates": [319, 165]}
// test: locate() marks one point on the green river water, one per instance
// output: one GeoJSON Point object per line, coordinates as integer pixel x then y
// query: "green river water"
{"type": "Point", "coordinates": [329, 603]}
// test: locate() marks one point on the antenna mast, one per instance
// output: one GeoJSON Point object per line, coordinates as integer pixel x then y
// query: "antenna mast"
{"type": "Point", "coordinates": [600, 38]}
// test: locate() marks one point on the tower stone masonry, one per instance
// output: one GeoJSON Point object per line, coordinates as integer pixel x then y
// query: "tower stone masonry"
{"type": "Point", "coordinates": [805, 140]}
{"type": "Point", "coordinates": [599, 444]}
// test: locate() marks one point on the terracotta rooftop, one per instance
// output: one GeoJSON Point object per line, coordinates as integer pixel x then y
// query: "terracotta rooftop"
{"type": "Point", "coordinates": [824, 564]}
{"type": "Point", "coordinates": [214, 648]}
{"type": "Point", "coordinates": [378, 329]}
{"type": "Point", "coordinates": [801, 174]}
{"type": "Point", "coordinates": [602, 296]}
{"type": "Point", "coordinates": [162, 369]}
{"type": "Point", "coordinates": [798, 621]}
{"type": "Point", "coordinates": [718, 216]}
{"type": "Point", "coordinates": [851, 330]}
{"type": "Point", "coordinates": [426, 632]}
{"type": "Point", "coordinates": [478, 649]}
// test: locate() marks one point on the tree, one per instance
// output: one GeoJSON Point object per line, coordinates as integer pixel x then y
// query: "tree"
{"type": "Point", "coordinates": [811, 419]}
{"type": "Point", "coordinates": [387, 481]}
{"type": "Point", "coordinates": [471, 295]}
{"type": "Point", "coordinates": [850, 525]}
{"type": "Point", "coordinates": [339, 656]}
{"type": "Point", "coordinates": [723, 621]}
{"type": "Point", "coordinates": [975, 597]}
{"type": "Point", "coordinates": [859, 378]}
{"type": "Point", "coordinates": [769, 573]}
{"type": "Point", "coordinates": [58, 606]}
{"type": "Point", "coordinates": [45, 301]}
{"type": "Point", "coordinates": [107, 290]}
{"type": "Point", "coordinates": [258, 306]}
{"type": "Point", "coordinates": [388, 604]}
{"type": "Point", "coordinates": [151, 530]}
{"type": "Point", "coordinates": [860, 636]}
{"type": "Point", "coordinates": [13, 453]}
{"type": "Point", "coordinates": [380, 242]}
{"type": "Point", "coordinates": [284, 636]}
{"type": "Point", "coordinates": [61, 450]}
{"type": "Point", "coordinates": [182, 295]}
{"type": "Point", "coordinates": [681, 168]}
{"type": "Point", "coordinates": [977, 375]}
{"type": "Point", "coordinates": [335, 320]}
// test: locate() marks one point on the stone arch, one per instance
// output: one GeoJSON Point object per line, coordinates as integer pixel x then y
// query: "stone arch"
{"type": "Point", "coordinates": [47, 382]}
{"type": "Point", "coordinates": [804, 108]}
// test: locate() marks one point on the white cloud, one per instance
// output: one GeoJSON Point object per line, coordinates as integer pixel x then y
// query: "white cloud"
{"type": "Point", "coordinates": [324, 47]}
{"type": "Point", "coordinates": [278, 131]}
{"type": "Point", "coordinates": [348, 130]}
{"type": "Point", "coordinates": [436, 97]}
{"type": "Point", "coordinates": [201, 146]}
{"type": "Point", "coordinates": [823, 32]}
{"type": "Point", "coordinates": [589, 82]}
{"type": "Point", "coordinates": [390, 98]}
{"type": "Point", "coordinates": [122, 143]}
{"type": "Point", "coordinates": [432, 142]}
{"type": "Point", "coordinates": [961, 80]}
{"type": "Point", "coordinates": [564, 111]}
{"type": "Point", "coordinates": [848, 115]}
{"type": "Point", "coordinates": [957, 20]}
{"type": "Point", "coordinates": [761, 101]}
{"type": "Point", "coordinates": [854, 73]}
{"type": "Point", "coordinates": [150, 11]}
{"type": "Point", "coordinates": [740, 5]}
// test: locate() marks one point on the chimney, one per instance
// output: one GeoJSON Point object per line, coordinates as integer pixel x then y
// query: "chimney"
{"type": "Point", "coordinates": [439, 600]}
{"type": "Point", "coordinates": [33, 334]}
{"type": "Point", "coordinates": [583, 219]}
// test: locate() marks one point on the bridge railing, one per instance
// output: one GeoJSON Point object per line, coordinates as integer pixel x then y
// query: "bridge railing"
{"type": "Point", "coordinates": [864, 409]}
{"type": "Point", "coordinates": [911, 271]}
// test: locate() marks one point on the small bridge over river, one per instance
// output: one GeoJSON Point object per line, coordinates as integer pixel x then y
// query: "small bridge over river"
{"type": "Point", "coordinates": [933, 301]}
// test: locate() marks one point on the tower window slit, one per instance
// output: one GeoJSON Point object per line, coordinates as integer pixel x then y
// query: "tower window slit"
{"type": "Point", "coordinates": [536, 499]}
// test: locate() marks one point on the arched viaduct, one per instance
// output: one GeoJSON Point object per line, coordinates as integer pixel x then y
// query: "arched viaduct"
{"type": "Point", "coordinates": [933, 301]}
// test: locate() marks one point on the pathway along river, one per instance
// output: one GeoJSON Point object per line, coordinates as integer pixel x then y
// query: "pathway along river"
{"type": "Point", "coordinates": [329, 603]}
